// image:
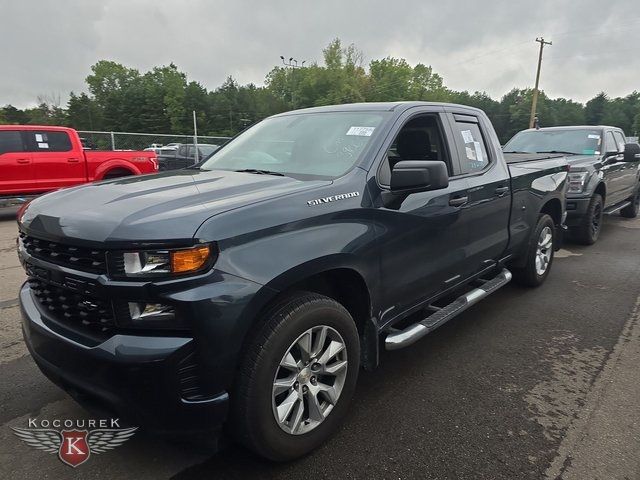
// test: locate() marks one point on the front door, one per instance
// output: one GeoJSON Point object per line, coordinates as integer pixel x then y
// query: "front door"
{"type": "Point", "coordinates": [614, 171]}
{"type": "Point", "coordinates": [16, 167]}
{"type": "Point", "coordinates": [424, 235]}
{"type": "Point", "coordinates": [56, 163]}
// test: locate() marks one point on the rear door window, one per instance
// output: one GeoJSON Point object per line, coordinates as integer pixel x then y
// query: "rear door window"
{"type": "Point", "coordinates": [10, 141]}
{"type": "Point", "coordinates": [49, 141]}
{"type": "Point", "coordinates": [473, 155]}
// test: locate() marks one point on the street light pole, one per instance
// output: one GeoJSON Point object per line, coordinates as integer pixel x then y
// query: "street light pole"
{"type": "Point", "coordinates": [292, 64]}
{"type": "Point", "coordinates": [534, 102]}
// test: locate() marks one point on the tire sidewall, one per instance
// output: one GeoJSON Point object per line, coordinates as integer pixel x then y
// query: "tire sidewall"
{"type": "Point", "coordinates": [275, 443]}
{"type": "Point", "coordinates": [595, 201]}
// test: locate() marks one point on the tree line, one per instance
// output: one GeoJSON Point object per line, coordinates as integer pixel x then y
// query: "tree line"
{"type": "Point", "coordinates": [162, 100]}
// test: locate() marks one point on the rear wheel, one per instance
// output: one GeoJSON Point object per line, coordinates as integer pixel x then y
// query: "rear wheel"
{"type": "Point", "coordinates": [297, 376]}
{"type": "Point", "coordinates": [539, 254]}
{"type": "Point", "coordinates": [589, 231]}
{"type": "Point", "coordinates": [631, 211]}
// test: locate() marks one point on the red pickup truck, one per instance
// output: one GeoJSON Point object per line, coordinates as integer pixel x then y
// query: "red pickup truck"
{"type": "Point", "coordinates": [39, 159]}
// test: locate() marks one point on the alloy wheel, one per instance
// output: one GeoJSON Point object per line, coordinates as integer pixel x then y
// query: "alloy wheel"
{"type": "Point", "coordinates": [309, 380]}
{"type": "Point", "coordinates": [544, 250]}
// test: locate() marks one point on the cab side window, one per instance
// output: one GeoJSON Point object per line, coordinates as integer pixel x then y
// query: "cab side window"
{"type": "Point", "coordinates": [610, 144]}
{"type": "Point", "coordinates": [49, 141]}
{"type": "Point", "coordinates": [419, 139]}
{"type": "Point", "coordinates": [473, 157]}
{"type": "Point", "coordinates": [620, 141]}
{"type": "Point", "coordinates": [10, 141]}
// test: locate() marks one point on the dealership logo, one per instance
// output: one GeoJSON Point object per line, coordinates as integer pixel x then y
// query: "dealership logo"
{"type": "Point", "coordinates": [74, 440]}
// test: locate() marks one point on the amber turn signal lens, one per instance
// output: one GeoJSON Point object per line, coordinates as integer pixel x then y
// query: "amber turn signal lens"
{"type": "Point", "coordinates": [191, 260]}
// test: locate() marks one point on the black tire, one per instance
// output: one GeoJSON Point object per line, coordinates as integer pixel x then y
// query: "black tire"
{"type": "Point", "coordinates": [589, 231]}
{"type": "Point", "coordinates": [253, 422]}
{"type": "Point", "coordinates": [529, 275]}
{"type": "Point", "coordinates": [631, 211]}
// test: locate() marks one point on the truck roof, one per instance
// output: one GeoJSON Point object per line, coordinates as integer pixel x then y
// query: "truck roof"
{"type": "Point", "coordinates": [34, 127]}
{"type": "Point", "coordinates": [570, 127]}
{"type": "Point", "coordinates": [375, 106]}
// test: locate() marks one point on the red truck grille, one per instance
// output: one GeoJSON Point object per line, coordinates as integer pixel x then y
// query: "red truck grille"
{"type": "Point", "coordinates": [79, 258]}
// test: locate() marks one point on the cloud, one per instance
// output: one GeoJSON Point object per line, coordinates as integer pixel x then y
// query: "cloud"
{"type": "Point", "coordinates": [48, 47]}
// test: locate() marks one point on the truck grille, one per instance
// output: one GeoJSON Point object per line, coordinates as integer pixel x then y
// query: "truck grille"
{"type": "Point", "coordinates": [75, 310]}
{"type": "Point", "coordinates": [79, 258]}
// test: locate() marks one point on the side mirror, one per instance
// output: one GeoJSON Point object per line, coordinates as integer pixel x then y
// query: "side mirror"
{"type": "Point", "coordinates": [632, 152]}
{"type": "Point", "coordinates": [411, 176]}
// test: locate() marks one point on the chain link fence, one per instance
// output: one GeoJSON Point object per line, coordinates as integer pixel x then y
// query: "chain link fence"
{"type": "Point", "coordinates": [140, 141]}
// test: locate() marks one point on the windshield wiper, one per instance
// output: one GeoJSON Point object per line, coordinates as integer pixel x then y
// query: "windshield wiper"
{"type": "Point", "coordinates": [260, 172]}
{"type": "Point", "coordinates": [558, 151]}
{"type": "Point", "coordinates": [515, 151]}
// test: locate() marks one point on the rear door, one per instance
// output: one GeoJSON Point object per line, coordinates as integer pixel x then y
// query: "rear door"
{"type": "Point", "coordinates": [488, 206]}
{"type": "Point", "coordinates": [56, 163]}
{"type": "Point", "coordinates": [16, 167]}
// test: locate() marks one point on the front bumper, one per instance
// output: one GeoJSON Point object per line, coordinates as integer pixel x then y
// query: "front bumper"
{"type": "Point", "coordinates": [577, 210]}
{"type": "Point", "coordinates": [137, 378]}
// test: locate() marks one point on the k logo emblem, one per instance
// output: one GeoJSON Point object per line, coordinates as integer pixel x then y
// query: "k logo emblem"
{"type": "Point", "coordinates": [74, 446]}
{"type": "Point", "coordinates": [74, 449]}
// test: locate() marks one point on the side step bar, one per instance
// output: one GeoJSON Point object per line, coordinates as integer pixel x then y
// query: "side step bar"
{"type": "Point", "coordinates": [616, 208]}
{"type": "Point", "coordinates": [403, 338]}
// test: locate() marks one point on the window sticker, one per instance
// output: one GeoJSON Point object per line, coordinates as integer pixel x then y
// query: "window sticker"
{"type": "Point", "coordinates": [478, 149]}
{"type": "Point", "coordinates": [594, 136]}
{"type": "Point", "coordinates": [467, 136]}
{"type": "Point", "coordinates": [43, 145]}
{"type": "Point", "coordinates": [39, 137]}
{"type": "Point", "coordinates": [471, 154]}
{"type": "Point", "coordinates": [361, 131]}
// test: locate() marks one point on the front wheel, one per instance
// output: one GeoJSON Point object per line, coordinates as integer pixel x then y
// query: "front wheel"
{"type": "Point", "coordinates": [539, 254]}
{"type": "Point", "coordinates": [296, 378]}
{"type": "Point", "coordinates": [589, 231]}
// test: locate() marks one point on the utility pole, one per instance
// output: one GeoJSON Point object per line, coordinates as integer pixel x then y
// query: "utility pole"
{"type": "Point", "coordinates": [534, 103]}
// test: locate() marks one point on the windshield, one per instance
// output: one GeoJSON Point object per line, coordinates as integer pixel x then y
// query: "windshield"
{"type": "Point", "coordinates": [309, 145]}
{"type": "Point", "coordinates": [574, 141]}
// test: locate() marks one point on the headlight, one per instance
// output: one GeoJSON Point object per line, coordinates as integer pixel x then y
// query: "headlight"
{"type": "Point", "coordinates": [159, 263]}
{"type": "Point", "coordinates": [577, 181]}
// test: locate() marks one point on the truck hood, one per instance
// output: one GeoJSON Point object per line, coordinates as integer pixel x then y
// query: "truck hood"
{"type": "Point", "coordinates": [579, 161]}
{"type": "Point", "coordinates": [152, 208]}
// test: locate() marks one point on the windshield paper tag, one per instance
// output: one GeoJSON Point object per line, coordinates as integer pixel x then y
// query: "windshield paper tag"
{"type": "Point", "coordinates": [597, 137]}
{"type": "Point", "coordinates": [361, 131]}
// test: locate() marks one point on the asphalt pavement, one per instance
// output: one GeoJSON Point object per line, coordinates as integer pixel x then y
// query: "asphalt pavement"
{"type": "Point", "coordinates": [533, 384]}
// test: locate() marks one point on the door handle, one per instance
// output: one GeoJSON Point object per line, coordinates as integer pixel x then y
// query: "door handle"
{"type": "Point", "coordinates": [500, 191]}
{"type": "Point", "coordinates": [458, 201]}
{"type": "Point", "coordinates": [73, 160]}
{"type": "Point", "coordinates": [23, 160]}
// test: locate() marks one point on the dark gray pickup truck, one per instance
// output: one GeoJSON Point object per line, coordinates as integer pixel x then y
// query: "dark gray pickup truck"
{"type": "Point", "coordinates": [604, 176]}
{"type": "Point", "coordinates": [248, 291]}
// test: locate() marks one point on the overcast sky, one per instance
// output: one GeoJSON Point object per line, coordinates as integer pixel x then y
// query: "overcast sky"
{"type": "Point", "coordinates": [49, 46]}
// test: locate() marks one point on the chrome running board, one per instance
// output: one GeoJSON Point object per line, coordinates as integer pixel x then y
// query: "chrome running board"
{"type": "Point", "coordinates": [403, 338]}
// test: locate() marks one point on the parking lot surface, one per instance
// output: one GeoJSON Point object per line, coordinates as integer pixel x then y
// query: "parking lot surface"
{"type": "Point", "coordinates": [527, 384]}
